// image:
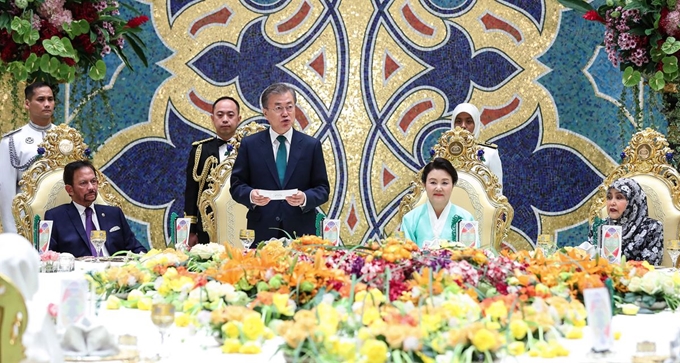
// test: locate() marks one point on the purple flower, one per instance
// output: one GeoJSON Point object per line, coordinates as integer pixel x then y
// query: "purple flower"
{"type": "Point", "coordinates": [623, 156]}
{"type": "Point", "coordinates": [41, 151]}
{"type": "Point", "coordinates": [230, 147]}
{"type": "Point", "coordinates": [88, 152]}
{"type": "Point", "coordinates": [669, 156]}
{"type": "Point", "coordinates": [480, 154]}
{"type": "Point", "coordinates": [431, 152]}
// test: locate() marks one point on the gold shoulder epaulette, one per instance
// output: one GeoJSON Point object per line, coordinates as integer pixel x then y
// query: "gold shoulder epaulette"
{"type": "Point", "coordinates": [489, 145]}
{"type": "Point", "coordinates": [195, 143]}
{"type": "Point", "coordinates": [11, 132]}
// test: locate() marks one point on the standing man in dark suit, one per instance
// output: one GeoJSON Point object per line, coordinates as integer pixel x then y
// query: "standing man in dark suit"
{"type": "Point", "coordinates": [280, 159]}
{"type": "Point", "coordinates": [72, 222]}
{"type": "Point", "coordinates": [204, 156]}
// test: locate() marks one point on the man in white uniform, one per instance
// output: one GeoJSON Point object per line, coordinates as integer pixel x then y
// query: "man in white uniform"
{"type": "Point", "coordinates": [19, 148]}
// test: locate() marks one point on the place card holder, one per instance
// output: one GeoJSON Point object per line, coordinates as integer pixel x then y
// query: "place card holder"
{"type": "Point", "coordinates": [44, 236]}
{"type": "Point", "coordinates": [331, 231]}
{"type": "Point", "coordinates": [609, 245]}
{"type": "Point", "coordinates": [182, 228]}
{"type": "Point", "coordinates": [467, 233]}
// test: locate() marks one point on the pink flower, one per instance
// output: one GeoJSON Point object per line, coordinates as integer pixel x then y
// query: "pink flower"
{"type": "Point", "coordinates": [52, 310]}
{"type": "Point", "coordinates": [49, 256]}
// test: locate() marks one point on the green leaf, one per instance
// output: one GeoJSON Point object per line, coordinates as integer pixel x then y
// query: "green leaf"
{"type": "Point", "coordinates": [657, 82]}
{"type": "Point", "coordinates": [54, 65]}
{"type": "Point", "coordinates": [670, 64]}
{"type": "Point", "coordinates": [670, 46]}
{"type": "Point", "coordinates": [631, 77]}
{"type": "Point", "coordinates": [19, 71]}
{"type": "Point", "coordinates": [656, 54]}
{"type": "Point", "coordinates": [5, 21]}
{"type": "Point", "coordinates": [45, 63]}
{"type": "Point", "coordinates": [31, 62]}
{"type": "Point", "coordinates": [31, 36]}
{"type": "Point", "coordinates": [578, 5]}
{"type": "Point", "coordinates": [98, 70]}
{"type": "Point", "coordinates": [130, 38]}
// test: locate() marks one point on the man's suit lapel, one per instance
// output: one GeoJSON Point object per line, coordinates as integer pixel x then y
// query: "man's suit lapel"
{"type": "Point", "coordinates": [74, 216]}
{"type": "Point", "coordinates": [293, 156]}
{"type": "Point", "coordinates": [267, 153]}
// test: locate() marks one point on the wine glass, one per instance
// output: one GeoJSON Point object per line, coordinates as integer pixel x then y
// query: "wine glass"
{"type": "Point", "coordinates": [162, 316]}
{"type": "Point", "coordinates": [674, 251]}
{"type": "Point", "coordinates": [98, 239]}
{"type": "Point", "coordinates": [247, 237]}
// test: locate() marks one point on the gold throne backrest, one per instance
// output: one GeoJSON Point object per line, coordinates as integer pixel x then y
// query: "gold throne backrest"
{"type": "Point", "coordinates": [221, 216]}
{"type": "Point", "coordinates": [42, 185]}
{"type": "Point", "coordinates": [477, 190]}
{"type": "Point", "coordinates": [13, 319]}
{"type": "Point", "coordinates": [645, 162]}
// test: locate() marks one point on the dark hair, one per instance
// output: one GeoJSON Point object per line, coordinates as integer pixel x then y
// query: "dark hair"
{"type": "Point", "coordinates": [73, 166]}
{"type": "Point", "coordinates": [276, 89]}
{"type": "Point", "coordinates": [440, 164]}
{"type": "Point", "coordinates": [238, 107]}
{"type": "Point", "coordinates": [30, 89]}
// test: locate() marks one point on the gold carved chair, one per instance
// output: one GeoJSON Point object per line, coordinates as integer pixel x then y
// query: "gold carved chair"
{"type": "Point", "coordinates": [221, 216]}
{"type": "Point", "coordinates": [42, 186]}
{"type": "Point", "coordinates": [13, 319]}
{"type": "Point", "coordinates": [645, 162]}
{"type": "Point", "coordinates": [477, 190]}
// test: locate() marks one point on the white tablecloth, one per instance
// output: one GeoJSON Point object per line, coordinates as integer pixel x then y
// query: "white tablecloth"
{"type": "Point", "coordinates": [185, 345]}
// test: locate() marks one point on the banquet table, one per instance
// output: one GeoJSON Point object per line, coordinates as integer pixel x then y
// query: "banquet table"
{"type": "Point", "coordinates": [186, 344]}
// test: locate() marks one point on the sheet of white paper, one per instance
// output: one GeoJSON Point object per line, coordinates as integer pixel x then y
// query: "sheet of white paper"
{"type": "Point", "coordinates": [277, 194]}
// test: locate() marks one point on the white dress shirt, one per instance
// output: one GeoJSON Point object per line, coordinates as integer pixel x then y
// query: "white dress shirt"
{"type": "Point", "coordinates": [223, 150]}
{"type": "Point", "coordinates": [95, 221]}
{"type": "Point", "coordinates": [275, 143]}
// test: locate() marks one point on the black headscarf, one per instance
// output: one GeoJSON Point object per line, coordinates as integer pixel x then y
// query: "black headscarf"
{"type": "Point", "coordinates": [642, 236]}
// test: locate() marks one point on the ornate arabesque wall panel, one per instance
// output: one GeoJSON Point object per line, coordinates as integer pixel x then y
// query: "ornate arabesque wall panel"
{"type": "Point", "coordinates": [376, 81]}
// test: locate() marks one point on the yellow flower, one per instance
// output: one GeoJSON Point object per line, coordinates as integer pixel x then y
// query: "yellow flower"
{"type": "Point", "coordinates": [135, 295]}
{"type": "Point", "coordinates": [483, 340]}
{"type": "Point", "coordinates": [347, 350]}
{"type": "Point", "coordinates": [328, 319]}
{"type": "Point", "coordinates": [144, 303]}
{"type": "Point", "coordinates": [189, 304]}
{"type": "Point", "coordinates": [182, 320]}
{"type": "Point", "coordinates": [268, 334]}
{"type": "Point", "coordinates": [231, 346]}
{"type": "Point", "coordinates": [430, 323]}
{"type": "Point", "coordinates": [519, 329]}
{"type": "Point", "coordinates": [170, 273]}
{"type": "Point", "coordinates": [164, 289]}
{"type": "Point", "coordinates": [253, 327]}
{"type": "Point", "coordinates": [250, 348]}
{"type": "Point", "coordinates": [516, 348]}
{"type": "Point", "coordinates": [370, 314]}
{"type": "Point", "coordinates": [280, 302]}
{"type": "Point", "coordinates": [375, 351]}
{"type": "Point", "coordinates": [364, 334]}
{"type": "Point", "coordinates": [373, 297]}
{"type": "Point", "coordinates": [617, 335]}
{"type": "Point", "coordinates": [230, 330]}
{"type": "Point", "coordinates": [493, 325]}
{"type": "Point", "coordinates": [113, 303]}
{"type": "Point", "coordinates": [574, 333]}
{"type": "Point", "coordinates": [630, 309]}
{"type": "Point", "coordinates": [497, 310]}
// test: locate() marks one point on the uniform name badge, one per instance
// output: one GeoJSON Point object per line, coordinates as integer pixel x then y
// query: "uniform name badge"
{"type": "Point", "coordinates": [610, 243]}
{"type": "Point", "coordinates": [467, 233]}
{"type": "Point", "coordinates": [44, 236]}
{"type": "Point", "coordinates": [182, 227]}
{"type": "Point", "coordinates": [331, 231]}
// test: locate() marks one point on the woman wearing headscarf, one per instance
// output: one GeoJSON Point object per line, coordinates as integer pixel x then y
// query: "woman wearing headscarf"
{"type": "Point", "coordinates": [642, 237]}
{"type": "Point", "coordinates": [436, 219]}
{"type": "Point", "coordinates": [467, 116]}
{"type": "Point", "coordinates": [20, 262]}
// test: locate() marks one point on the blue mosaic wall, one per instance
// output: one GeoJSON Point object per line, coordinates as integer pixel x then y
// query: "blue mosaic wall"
{"type": "Point", "coordinates": [546, 87]}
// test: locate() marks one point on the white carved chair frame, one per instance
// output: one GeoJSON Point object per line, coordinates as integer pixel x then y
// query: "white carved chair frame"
{"type": "Point", "coordinates": [477, 190]}
{"type": "Point", "coordinates": [645, 162]}
{"type": "Point", "coordinates": [222, 217]}
{"type": "Point", "coordinates": [42, 185]}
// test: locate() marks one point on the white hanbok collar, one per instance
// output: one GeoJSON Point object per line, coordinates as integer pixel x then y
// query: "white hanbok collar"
{"type": "Point", "coordinates": [438, 224]}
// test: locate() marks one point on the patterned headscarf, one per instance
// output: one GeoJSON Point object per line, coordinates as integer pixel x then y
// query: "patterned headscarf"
{"type": "Point", "coordinates": [473, 112]}
{"type": "Point", "coordinates": [642, 236]}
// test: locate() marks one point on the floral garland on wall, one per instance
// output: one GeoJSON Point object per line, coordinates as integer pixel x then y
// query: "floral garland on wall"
{"type": "Point", "coordinates": [56, 40]}
{"type": "Point", "coordinates": [642, 38]}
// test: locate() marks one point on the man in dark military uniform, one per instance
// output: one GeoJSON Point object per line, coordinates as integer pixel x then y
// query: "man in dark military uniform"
{"type": "Point", "coordinates": [204, 156]}
{"type": "Point", "coordinates": [19, 148]}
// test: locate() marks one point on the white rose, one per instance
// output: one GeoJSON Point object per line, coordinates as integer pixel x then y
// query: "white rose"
{"type": "Point", "coordinates": [214, 290]}
{"type": "Point", "coordinates": [196, 294]}
{"type": "Point", "coordinates": [650, 283]}
{"type": "Point", "coordinates": [634, 284]}
{"type": "Point", "coordinates": [667, 285]}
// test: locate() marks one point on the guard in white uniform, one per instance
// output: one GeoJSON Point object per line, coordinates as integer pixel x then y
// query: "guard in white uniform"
{"type": "Point", "coordinates": [473, 124]}
{"type": "Point", "coordinates": [19, 148]}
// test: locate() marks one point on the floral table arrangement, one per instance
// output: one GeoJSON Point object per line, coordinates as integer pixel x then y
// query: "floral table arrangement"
{"type": "Point", "coordinates": [54, 40]}
{"type": "Point", "coordinates": [387, 300]}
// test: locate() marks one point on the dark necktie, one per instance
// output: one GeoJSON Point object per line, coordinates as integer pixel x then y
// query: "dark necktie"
{"type": "Point", "coordinates": [89, 227]}
{"type": "Point", "coordinates": [281, 157]}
